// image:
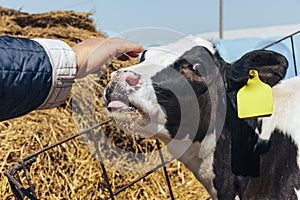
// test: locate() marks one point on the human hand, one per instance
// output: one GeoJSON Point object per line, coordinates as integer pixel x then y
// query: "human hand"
{"type": "Point", "coordinates": [93, 53]}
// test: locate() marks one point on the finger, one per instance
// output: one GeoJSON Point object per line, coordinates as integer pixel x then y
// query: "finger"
{"type": "Point", "coordinates": [123, 57]}
{"type": "Point", "coordinates": [133, 50]}
{"type": "Point", "coordinates": [133, 54]}
{"type": "Point", "coordinates": [124, 46]}
{"type": "Point", "coordinates": [126, 56]}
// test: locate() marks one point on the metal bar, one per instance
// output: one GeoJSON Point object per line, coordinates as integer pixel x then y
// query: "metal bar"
{"type": "Point", "coordinates": [163, 165]}
{"type": "Point", "coordinates": [15, 182]}
{"type": "Point", "coordinates": [28, 194]}
{"type": "Point", "coordinates": [18, 166]}
{"type": "Point", "coordinates": [24, 163]}
{"type": "Point", "coordinates": [17, 193]}
{"type": "Point", "coordinates": [18, 190]}
{"type": "Point", "coordinates": [221, 19]}
{"type": "Point", "coordinates": [276, 42]}
{"type": "Point", "coordinates": [25, 169]}
{"type": "Point", "coordinates": [165, 170]}
{"type": "Point", "coordinates": [135, 181]}
{"type": "Point", "coordinates": [294, 56]}
{"type": "Point", "coordinates": [65, 140]}
{"type": "Point", "coordinates": [105, 176]}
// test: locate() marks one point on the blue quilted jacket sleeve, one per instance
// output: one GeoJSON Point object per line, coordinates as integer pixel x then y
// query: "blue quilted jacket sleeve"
{"type": "Point", "coordinates": [34, 74]}
{"type": "Point", "coordinates": [25, 76]}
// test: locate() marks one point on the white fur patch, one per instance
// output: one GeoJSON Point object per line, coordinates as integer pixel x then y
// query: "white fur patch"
{"type": "Point", "coordinates": [209, 143]}
{"type": "Point", "coordinates": [199, 159]}
{"type": "Point", "coordinates": [145, 98]}
{"type": "Point", "coordinates": [286, 115]}
{"type": "Point", "coordinates": [201, 167]}
{"type": "Point", "coordinates": [297, 193]}
{"type": "Point", "coordinates": [207, 174]}
{"type": "Point", "coordinates": [236, 197]}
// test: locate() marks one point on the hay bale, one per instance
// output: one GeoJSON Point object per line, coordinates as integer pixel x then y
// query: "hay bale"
{"type": "Point", "coordinates": [71, 171]}
{"type": "Point", "coordinates": [69, 26]}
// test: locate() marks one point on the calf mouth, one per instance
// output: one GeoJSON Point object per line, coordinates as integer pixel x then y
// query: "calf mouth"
{"type": "Point", "coordinates": [121, 106]}
{"type": "Point", "coordinates": [123, 109]}
{"type": "Point", "coordinates": [120, 103]}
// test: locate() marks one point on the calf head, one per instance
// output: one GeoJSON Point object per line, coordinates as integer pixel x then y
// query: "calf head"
{"type": "Point", "coordinates": [160, 96]}
{"type": "Point", "coordinates": [180, 90]}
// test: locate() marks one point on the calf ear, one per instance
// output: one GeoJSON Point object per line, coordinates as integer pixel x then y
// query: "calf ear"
{"type": "Point", "coordinates": [271, 67]}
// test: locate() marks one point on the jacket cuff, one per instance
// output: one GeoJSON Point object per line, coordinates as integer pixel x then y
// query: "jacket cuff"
{"type": "Point", "coordinates": [63, 61]}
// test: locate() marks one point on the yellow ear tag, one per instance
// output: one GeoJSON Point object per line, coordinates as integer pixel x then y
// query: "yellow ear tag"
{"type": "Point", "coordinates": [255, 98]}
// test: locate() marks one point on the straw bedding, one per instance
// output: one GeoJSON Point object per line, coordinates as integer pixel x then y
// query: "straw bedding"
{"type": "Point", "coordinates": [72, 170]}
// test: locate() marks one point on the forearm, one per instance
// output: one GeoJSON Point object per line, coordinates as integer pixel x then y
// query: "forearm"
{"type": "Point", "coordinates": [38, 73]}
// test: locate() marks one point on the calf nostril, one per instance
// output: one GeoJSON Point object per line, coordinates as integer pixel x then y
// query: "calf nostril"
{"type": "Point", "coordinates": [132, 79]}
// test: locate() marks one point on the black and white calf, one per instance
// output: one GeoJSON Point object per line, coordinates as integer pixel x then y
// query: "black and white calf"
{"type": "Point", "coordinates": [184, 93]}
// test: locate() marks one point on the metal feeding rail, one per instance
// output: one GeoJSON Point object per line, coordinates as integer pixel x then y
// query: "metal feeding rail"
{"type": "Point", "coordinates": [24, 164]}
{"type": "Point", "coordinates": [291, 37]}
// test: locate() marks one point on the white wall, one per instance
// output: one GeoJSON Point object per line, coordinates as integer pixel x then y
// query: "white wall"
{"type": "Point", "coordinates": [261, 32]}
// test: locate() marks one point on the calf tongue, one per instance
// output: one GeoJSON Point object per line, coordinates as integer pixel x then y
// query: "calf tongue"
{"type": "Point", "coordinates": [117, 104]}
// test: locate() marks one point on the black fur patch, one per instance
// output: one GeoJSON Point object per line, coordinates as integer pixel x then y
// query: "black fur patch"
{"type": "Point", "coordinates": [279, 173]}
{"type": "Point", "coordinates": [174, 94]}
{"type": "Point", "coordinates": [244, 160]}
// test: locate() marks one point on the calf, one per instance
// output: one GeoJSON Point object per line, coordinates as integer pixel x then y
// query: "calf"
{"type": "Point", "coordinates": [184, 93]}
